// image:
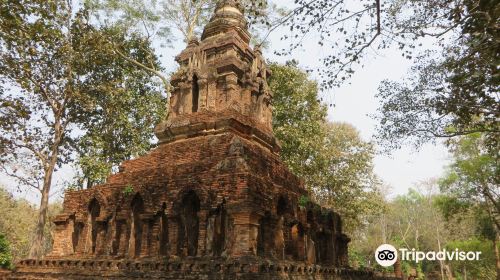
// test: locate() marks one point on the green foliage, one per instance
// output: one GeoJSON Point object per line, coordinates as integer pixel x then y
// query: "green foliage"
{"type": "Point", "coordinates": [484, 268]}
{"type": "Point", "coordinates": [298, 117]}
{"type": "Point", "coordinates": [5, 256]}
{"type": "Point", "coordinates": [303, 200]}
{"type": "Point", "coordinates": [466, 30]}
{"type": "Point", "coordinates": [104, 108]}
{"type": "Point", "coordinates": [18, 222]}
{"type": "Point", "coordinates": [67, 94]}
{"type": "Point", "coordinates": [358, 260]}
{"type": "Point", "coordinates": [417, 220]}
{"type": "Point", "coordinates": [334, 161]}
{"type": "Point", "coordinates": [128, 190]}
{"type": "Point", "coordinates": [472, 178]}
{"type": "Point", "coordinates": [343, 178]}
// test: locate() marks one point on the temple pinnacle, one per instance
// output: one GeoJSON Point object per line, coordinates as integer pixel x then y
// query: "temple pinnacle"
{"type": "Point", "coordinates": [229, 15]}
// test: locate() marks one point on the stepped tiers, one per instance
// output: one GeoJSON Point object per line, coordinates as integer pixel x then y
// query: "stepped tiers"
{"type": "Point", "coordinates": [213, 200]}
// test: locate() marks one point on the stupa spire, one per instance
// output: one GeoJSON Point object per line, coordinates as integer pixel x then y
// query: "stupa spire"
{"type": "Point", "coordinates": [220, 79]}
{"type": "Point", "coordinates": [228, 15]}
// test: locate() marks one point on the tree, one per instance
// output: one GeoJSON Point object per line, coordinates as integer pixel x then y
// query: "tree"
{"type": "Point", "coordinates": [298, 117]}
{"type": "Point", "coordinates": [348, 30]}
{"type": "Point", "coordinates": [334, 161]}
{"type": "Point", "coordinates": [49, 94]}
{"type": "Point", "coordinates": [160, 18]}
{"type": "Point", "coordinates": [478, 269]}
{"type": "Point", "coordinates": [433, 105]}
{"type": "Point", "coordinates": [472, 181]}
{"type": "Point", "coordinates": [344, 179]}
{"type": "Point", "coordinates": [473, 175]}
{"type": "Point", "coordinates": [19, 219]}
{"type": "Point", "coordinates": [17, 223]}
{"type": "Point", "coordinates": [155, 18]}
{"type": "Point", "coordinates": [455, 90]}
{"type": "Point", "coordinates": [345, 28]}
{"type": "Point", "coordinates": [125, 105]}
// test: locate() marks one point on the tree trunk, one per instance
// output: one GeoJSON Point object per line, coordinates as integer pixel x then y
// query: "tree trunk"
{"type": "Point", "coordinates": [497, 254]}
{"type": "Point", "coordinates": [36, 250]}
{"type": "Point", "coordinates": [438, 238]}
{"type": "Point", "coordinates": [449, 274]}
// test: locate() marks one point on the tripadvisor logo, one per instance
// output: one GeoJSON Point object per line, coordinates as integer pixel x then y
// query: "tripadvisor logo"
{"type": "Point", "coordinates": [387, 255]}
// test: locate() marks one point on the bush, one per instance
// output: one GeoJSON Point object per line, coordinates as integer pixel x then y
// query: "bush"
{"type": "Point", "coordinates": [5, 256]}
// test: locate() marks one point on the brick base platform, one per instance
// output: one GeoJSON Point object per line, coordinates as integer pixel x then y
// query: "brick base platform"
{"type": "Point", "coordinates": [192, 268]}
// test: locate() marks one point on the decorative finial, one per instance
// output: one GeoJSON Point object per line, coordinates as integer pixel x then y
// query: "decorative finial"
{"type": "Point", "coordinates": [229, 15]}
{"type": "Point", "coordinates": [225, 4]}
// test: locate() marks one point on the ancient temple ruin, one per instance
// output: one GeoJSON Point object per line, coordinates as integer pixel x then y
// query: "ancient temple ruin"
{"type": "Point", "coordinates": [213, 200]}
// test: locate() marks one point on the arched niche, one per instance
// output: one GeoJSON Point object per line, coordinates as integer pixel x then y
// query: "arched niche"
{"type": "Point", "coordinates": [137, 208]}
{"type": "Point", "coordinates": [195, 94]}
{"type": "Point", "coordinates": [187, 244]}
{"type": "Point", "coordinates": [295, 247]}
{"type": "Point", "coordinates": [94, 210]}
{"type": "Point", "coordinates": [76, 235]}
{"type": "Point", "coordinates": [282, 206]}
{"type": "Point", "coordinates": [220, 229]}
{"type": "Point", "coordinates": [324, 251]}
{"type": "Point", "coordinates": [163, 231]}
{"type": "Point", "coordinates": [265, 237]}
{"type": "Point", "coordinates": [121, 232]}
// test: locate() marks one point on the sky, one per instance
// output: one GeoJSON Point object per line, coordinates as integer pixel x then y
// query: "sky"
{"type": "Point", "coordinates": [354, 103]}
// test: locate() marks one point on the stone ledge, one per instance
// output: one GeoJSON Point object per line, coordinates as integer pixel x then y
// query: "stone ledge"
{"type": "Point", "coordinates": [153, 269]}
{"type": "Point", "coordinates": [207, 123]}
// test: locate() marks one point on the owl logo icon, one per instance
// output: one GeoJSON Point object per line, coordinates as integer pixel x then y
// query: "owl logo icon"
{"type": "Point", "coordinates": [386, 255]}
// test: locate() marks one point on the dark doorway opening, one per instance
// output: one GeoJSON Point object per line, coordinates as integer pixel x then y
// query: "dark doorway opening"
{"type": "Point", "coordinates": [195, 93]}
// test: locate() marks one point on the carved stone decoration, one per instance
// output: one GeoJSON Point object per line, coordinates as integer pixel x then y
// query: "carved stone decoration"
{"type": "Point", "coordinates": [279, 239]}
{"type": "Point", "coordinates": [221, 74]}
{"type": "Point", "coordinates": [311, 250]}
{"type": "Point", "coordinates": [210, 234]}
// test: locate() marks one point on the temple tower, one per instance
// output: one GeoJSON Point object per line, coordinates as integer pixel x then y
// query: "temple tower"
{"type": "Point", "coordinates": [213, 200]}
{"type": "Point", "coordinates": [220, 78]}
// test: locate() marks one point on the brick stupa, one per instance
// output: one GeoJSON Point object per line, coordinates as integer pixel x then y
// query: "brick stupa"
{"type": "Point", "coordinates": [213, 200]}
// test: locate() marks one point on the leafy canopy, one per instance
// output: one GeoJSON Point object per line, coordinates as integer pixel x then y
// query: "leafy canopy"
{"type": "Point", "coordinates": [334, 161]}
{"type": "Point", "coordinates": [472, 180]}
{"type": "Point", "coordinates": [452, 91]}
{"type": "Point", "coordinates": [5, 256]}
{"type": "Point", "coordinates": [60, 81]}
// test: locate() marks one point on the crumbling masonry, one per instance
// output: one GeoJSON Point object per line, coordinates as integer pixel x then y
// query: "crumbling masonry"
{"type": "Point", "coordinates": [213, 200]}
